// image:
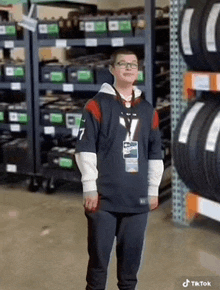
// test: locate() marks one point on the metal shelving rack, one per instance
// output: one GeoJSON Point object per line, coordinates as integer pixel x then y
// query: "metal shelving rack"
{"type": "Point", "coordinates": [148, 44]}
{"type": "Point", "coordinates": [26, 86]}
{"type": "Point", "coordinates": [178, 68]}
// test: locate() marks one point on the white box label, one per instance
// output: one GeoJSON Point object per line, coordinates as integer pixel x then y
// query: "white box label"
{"type": "Point", "coordinates": [91, 42]}
{"type": "Point", "coordinates": [218, 82]}
{"type": "Point", "coordinates": [15, 86]}
{"type": "Point", "coordinates": [2, 30]}
{"type": "Point", "coordinates": [11, 168]}
{"type": "Point", "coordinates": [75, 132]}
{"type": "Point", "coordinates": [9, 44]}
{"type": "Point", "coordinates": [89, 26]}
{"type": "Point", "coordinates": [15, 128]}
{"type": "Point", "coordinates": [118, 41]}
{"type": "Point", "coordinates": [9, 71]}
{"type": "Point", "coordinates": [201, 82]}
{"type": "Point", "coordinates": [49, 130]}
{"type": "Point", "coordinates": [13, 116]}
{"type": "Point", "coordinates": [68, 87]}
{"type": "Point", "coordinates": [113, 25]}
{"type": "Point", "coordinates": [61, 43]}
{"type": "Point", "coordinates": [42, 28]}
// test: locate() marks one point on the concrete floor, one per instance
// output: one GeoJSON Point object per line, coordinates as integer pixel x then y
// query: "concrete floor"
{"type": "Point", "coordinates": [44, 245]}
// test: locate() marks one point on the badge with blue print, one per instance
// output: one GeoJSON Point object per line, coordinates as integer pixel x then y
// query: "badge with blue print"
{"type": "Point", "coordinates": [130, 154]}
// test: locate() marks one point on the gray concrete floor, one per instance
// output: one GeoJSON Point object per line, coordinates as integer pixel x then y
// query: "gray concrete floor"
{"type": "Point", "coordinates": [44, 245]}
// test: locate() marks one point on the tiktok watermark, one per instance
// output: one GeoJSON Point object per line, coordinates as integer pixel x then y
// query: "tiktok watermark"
{"type": "Point", "coordinates": [198, 283]}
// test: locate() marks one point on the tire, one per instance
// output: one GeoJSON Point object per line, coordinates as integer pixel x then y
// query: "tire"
{"type": "Point", "coordinates": [189, 155]}
{"type": "Point", "coordinates": [212, 156]}
{"type": "Point", "coordinates": [210, 34]}
{"type": "Point", "coordinates": [190, 42]}
{"type": "Point", "coordinates": [196, 147]}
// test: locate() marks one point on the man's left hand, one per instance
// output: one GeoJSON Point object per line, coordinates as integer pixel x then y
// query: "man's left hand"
{"type": "Point", "coordinates": [153, 202]}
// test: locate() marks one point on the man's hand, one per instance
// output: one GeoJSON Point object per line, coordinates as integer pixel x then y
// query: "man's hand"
{"type": "Point", "coordinates": [91, 203]}
{"type": "Point", "coordinates": [153, 202]}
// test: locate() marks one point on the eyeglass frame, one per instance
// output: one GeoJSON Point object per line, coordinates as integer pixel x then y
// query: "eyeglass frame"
{"type": "Point", "coordinates": [126, 65]}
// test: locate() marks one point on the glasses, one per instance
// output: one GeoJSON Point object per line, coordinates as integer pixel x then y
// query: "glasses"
{"type": "Point", "coordinates": [126, 64]}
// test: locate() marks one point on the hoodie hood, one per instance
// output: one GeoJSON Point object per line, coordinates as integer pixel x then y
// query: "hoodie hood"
{"type": "Point", "coordinates": [108, 89]}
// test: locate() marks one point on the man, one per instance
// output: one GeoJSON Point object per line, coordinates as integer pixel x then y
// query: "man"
{"type": "Point", "coordinates": [119, 155]}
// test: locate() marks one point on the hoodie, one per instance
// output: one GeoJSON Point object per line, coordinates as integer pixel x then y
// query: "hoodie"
{"type": "Point", "coordinates": [99, 151]}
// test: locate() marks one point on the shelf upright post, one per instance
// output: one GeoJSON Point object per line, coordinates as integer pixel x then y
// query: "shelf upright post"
{"type": "Point", "coordinates": [29, 93]}
{"type": "Point", "coordinates": [25, 43]}
{"type": "Point", "coordinates": [149, 51]}
{"type": "Point", "coordinates": [36, 93]}
{"type": "Point", "coordinates": [177, 68]}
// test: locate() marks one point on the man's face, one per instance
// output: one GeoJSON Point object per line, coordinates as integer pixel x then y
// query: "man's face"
{"type": "Point", "coordinates": [125, 68]}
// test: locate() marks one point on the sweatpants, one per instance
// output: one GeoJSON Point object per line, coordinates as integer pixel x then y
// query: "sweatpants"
{"type": "Point", "coordinates": [129, 230]}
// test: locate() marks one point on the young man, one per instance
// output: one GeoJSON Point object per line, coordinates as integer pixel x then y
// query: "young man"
{"type": "Point", "coordinates": [119, 155]}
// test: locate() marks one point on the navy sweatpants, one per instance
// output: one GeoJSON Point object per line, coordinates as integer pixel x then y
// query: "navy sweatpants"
{"type": "Point", "coordinates": [129, 230]}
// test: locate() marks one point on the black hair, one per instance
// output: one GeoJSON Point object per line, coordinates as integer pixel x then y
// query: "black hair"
{"type": "Point", "coordinates": [120, 51]}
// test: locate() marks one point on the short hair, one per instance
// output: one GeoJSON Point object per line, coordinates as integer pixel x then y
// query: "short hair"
{"type": "Point", "coordinates": [120, 51]}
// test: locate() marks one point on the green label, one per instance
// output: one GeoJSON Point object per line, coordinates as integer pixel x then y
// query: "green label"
{"type": "Point", "coordinates": [100, 26]}
{"type": "Point", "coordinates": [140, 76]}
{"type": "Point", "coordinates": [78, 120]}
{"type": "Point", "coordinates": [85, 75]}
{"type": "Point", "coordinates": [53, 28]}
{"type": "Point", "coordinates": [2, 117]}
{"type": "Point", "coordinates": [13, 2]}
{"type": "Point", "coordinates": [56, 118]}
{"type": "Point", "coordinates": [125, 25]}
{"type": "Point", "coordinates": [23, 118]}
{"type": "Point", "coordinates": [66, 162]}
{"type": "Point", "coordinates": [57, 77]}
{"type": "Point", "coordinates": [10, 30]}
{"type": "Point", "coordinates": [19, 71]}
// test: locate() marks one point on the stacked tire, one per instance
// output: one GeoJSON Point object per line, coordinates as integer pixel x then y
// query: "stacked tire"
{"type": "Point", "coordinates": [196, 146]}
{"type": "Point", "coordinates": [199, 34]}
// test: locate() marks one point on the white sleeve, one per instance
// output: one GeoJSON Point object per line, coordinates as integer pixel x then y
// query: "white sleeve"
{"type": "Point", "coordinates": [155, 173]}
{"type": "Point", "coordinates": [87, 163]}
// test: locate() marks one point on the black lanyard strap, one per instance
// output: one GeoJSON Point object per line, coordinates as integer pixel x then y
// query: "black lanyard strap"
{"type": "Point", "coordinates": [127, 121]}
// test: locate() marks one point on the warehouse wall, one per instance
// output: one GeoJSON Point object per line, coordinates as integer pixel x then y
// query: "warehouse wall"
{"type": "Point", "coordinates": [109, 4]}
{"type": "Point", "coordinates": [102, 4]}
{"type": "Point", "coordinates": [57, 12]}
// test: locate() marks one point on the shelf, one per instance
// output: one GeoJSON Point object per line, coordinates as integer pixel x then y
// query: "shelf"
{"type": "Point", "coordinates": [15, 128]}
{"type": "Point", "coordinates": [202, 81]}
{"type": "Point", "coordinates": [10, 44]}
{"type": "Point", "coordinates": [69, 87]}
{"type": "Point", "coordinates": [14, 86]}
{"type": "Point", "coordinates": [56, 130]}
{"type": "Point", "coordinates": [197, 204]}
{"type": "Point", "coordinates": [92, 42]}
{"type": "Point", "coordinates": [74, 87]}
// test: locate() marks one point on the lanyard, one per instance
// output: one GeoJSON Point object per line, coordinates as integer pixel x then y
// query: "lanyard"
{"type": "Point", "coordinates": [127, 121]}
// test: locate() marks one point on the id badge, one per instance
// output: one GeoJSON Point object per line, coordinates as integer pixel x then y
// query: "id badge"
{"type": "Point", "coordinates": [130, 154]}
{"type": "Point", "coordinates": [131, 165]}
{"type": "Point", "coordinates": [130, 149]}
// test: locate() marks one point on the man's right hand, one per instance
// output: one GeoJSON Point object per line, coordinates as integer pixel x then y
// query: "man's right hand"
{"type": "Point", "coordinates": [91, 203]}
